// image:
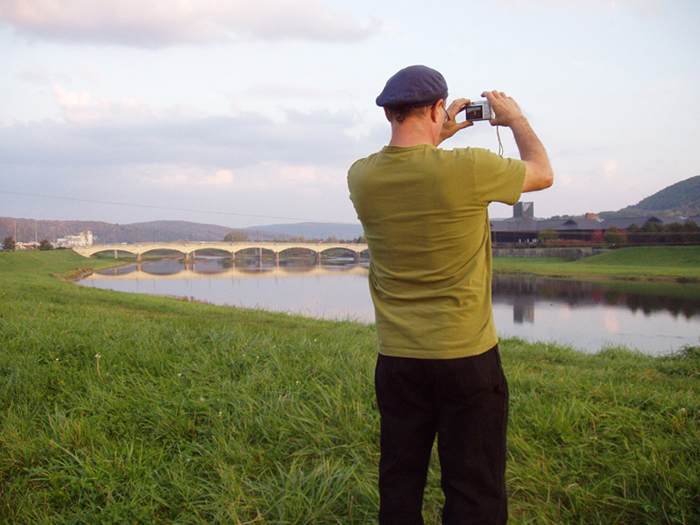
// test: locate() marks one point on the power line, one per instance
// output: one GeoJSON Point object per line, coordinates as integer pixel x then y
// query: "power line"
{"type": "Point", "coordinates": [167, 208]}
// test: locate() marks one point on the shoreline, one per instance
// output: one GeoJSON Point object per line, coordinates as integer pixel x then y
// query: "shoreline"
{"type": "Point", "coordinates": [594, 277]}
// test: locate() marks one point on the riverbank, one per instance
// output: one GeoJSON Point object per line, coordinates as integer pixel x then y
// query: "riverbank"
{"type": "Point", "coordinates": [127, 408]}
{"type": "Point", "coordinates": [652, 263]}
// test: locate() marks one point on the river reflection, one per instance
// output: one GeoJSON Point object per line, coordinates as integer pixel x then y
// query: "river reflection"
{"type": "Point", "coordinates": [654, 318]}
{"type": "Point", "coordinates": [588, 315]}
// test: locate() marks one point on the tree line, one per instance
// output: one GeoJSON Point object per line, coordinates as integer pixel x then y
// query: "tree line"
{"type": "Point", "coordinates": [9, 244]}
{"type": "Point", "coordinates": [651, 233]}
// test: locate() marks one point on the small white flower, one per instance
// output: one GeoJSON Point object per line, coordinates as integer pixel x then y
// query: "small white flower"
{"type": "Point", "coordinates": [179, 375]}
{"type": "Point", "coordinates": [201, 399]}
{"type": "Point", "coordinates": [97, 356]}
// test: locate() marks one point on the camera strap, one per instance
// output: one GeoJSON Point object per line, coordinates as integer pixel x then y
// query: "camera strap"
{"type": "Point", "coordinates": [500, 144]}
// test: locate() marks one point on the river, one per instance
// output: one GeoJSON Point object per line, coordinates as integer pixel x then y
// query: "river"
{"type": "Point", "coordinates": [654, 318]}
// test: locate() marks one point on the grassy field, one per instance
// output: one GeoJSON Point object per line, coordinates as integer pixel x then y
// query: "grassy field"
{"type": "Point", "coordinates": [118, 408]}
{"type": "Point", "coordinates": [648, 263]}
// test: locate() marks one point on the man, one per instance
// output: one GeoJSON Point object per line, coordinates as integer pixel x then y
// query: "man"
{"type": "Point", "coordinates": [424, 214]}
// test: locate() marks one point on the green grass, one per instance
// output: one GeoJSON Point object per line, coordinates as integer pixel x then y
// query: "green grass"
{"type": "Point", "coordinates": [650, 263]}
{"type": "Point", "coordinates": [119, 408]}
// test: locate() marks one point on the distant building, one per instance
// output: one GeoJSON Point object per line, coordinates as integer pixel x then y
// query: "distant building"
{"type": "Point", "coordinates": [525, 228]}
{"type": "Point", "coordinates": [26, 246]}
{"type": "Point", "coordinates": [82, 240]}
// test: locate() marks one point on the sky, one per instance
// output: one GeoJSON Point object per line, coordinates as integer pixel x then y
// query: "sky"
{"type": "Point", "coordinates": [244, 113]}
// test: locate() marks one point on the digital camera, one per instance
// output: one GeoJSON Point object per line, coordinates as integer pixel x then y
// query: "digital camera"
{"type": "Point", "coordinates": [479, 110]}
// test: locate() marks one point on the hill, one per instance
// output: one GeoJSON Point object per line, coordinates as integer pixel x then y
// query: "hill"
{"type": "Point", "coordinates": [681, 200]}
{"type": "Point", "coordinates": [30, 230]}
{"type": "Point", "coordinates": [316, 230]}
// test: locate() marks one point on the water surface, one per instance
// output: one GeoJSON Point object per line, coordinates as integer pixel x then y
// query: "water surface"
{"type": "Point", "coordinates": [654, 318]}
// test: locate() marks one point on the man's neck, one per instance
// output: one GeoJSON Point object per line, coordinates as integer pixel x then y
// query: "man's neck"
{"type": "Point", "coordinates": [411, 133]}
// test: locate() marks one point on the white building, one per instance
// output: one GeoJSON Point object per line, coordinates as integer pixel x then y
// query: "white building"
{"type": "Point", "coordinates": [82, 240]}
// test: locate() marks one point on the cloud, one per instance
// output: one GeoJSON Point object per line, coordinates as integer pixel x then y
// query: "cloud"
{"type": "Point", "coordinates": [164, 23]}
{"type": "Point", "coordinates": [81, 108]}
{"type": "Point", "coordinates": [245, 164]}
{"type": "Point", "coordinates": [179, 148]}
{"type": "Point", "coordinates": [610, 168]}
{"type": "Point", "coordinates": [262, 177]}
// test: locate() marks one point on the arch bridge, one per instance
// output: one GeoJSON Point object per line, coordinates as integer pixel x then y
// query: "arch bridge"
{"type": "Point", "coordinates": [189, 249]}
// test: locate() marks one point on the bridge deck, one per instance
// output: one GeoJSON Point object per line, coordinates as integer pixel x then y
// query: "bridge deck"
{"type": "Point", "coordinates": [188, 249]}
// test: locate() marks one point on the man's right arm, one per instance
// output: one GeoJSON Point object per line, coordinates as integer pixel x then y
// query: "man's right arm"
{"type": "Point", "coordinates": [538, 170]}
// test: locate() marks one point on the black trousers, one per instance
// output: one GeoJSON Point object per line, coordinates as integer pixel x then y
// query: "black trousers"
{"type": "Point", "coordinates": [464, 402]}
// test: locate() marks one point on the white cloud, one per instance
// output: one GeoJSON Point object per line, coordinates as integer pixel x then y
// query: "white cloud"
{"type": "Point", "coordinates": [162, 23]}
{"type": "Point", "coordinates": [299, 174]}
{"type": "Point", "coordinates": [565, 180]}
{"type": "Point", "coordinates": [79, 108]}
{"type": "Point", "coordinates": [610, 168]}
{"type": "Point", "coordinates": [220, 178]}
{"type": "Point", "coordinates": [263, 177]}
{"type": "Point", "coordinates": [185, 177]}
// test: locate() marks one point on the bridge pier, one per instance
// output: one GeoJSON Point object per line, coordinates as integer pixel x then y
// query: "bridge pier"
{"type": "Point", "coordinates": [139, 257]}
{"type": "Point", "coordinates": [116, 254]}
{"type": "Point", "coordinates": [356, 257]}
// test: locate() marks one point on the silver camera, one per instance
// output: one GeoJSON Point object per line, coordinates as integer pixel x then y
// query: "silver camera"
{"type": "Point", "coordinates": [479, 110]}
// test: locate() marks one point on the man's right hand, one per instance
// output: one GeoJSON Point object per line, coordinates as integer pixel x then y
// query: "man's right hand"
{"type": "Point", "coordinates": [507, 110]}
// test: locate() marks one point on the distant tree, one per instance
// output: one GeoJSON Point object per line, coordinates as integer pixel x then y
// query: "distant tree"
{"type": "Point", "coordinates": [634, 234]}
{"type": "Point", "coordinates": [236, 236]}
{"type": "Point", "coordinates": [691, 233]}
{"type": "Point", "coordinates": [45, 245]}
{"type": "Point", "coordinates": [673, 233]}
{"type": "Point", "coordinates": [548, 235]}
{"type": "Point", "coordinates": [614, 236]}
{"type": "Point", "coordinates": [332, 239]}
{"type": "Point", "coordinates": [8, 244]}
{"type": "Point", "coordinates": [651, 233]}
{"type": "Point", "coordinates": [597, 237]}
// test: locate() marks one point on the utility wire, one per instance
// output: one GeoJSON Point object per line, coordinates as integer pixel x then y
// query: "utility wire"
{"type": "Point", "coordinates": [168, 208]}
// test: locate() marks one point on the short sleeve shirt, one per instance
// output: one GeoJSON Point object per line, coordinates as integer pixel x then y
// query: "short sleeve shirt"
{"type": "Point", "coordinates": [425, 217]}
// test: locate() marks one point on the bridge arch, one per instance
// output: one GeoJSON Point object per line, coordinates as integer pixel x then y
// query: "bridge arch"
{"type": "Point", "coordinates": [189, 249]}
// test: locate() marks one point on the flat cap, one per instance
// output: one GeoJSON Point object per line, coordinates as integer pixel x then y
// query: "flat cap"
{"type": "Point", "coordinates": [413, 86]}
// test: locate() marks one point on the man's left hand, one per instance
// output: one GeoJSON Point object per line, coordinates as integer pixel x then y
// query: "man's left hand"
{"type": "Point", "coordinates": [451, 126]}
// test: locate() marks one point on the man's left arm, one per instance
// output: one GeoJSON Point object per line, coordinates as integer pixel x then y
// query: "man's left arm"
{"type": "Point", "coordinates": [538, 170]}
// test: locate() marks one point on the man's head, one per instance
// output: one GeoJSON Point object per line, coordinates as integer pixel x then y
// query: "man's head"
{"type": "Point", "coordinates": [411, 88]}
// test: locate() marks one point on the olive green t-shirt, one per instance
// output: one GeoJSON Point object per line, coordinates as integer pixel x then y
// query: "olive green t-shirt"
{"type": "Point", "coordinates": [425, 218]}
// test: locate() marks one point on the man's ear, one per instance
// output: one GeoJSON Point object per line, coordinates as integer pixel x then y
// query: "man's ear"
{"type": "Point", "coordinates": [436, 111]}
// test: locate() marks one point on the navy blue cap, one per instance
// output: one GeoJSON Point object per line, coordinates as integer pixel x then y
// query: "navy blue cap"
{"type": "Point", "coordinates": [414, 86]}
